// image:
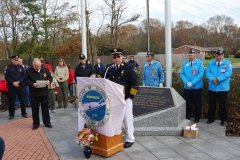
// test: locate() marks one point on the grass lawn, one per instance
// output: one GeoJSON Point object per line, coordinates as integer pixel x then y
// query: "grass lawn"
{"type": "Point", "coordinates": [233, 60]}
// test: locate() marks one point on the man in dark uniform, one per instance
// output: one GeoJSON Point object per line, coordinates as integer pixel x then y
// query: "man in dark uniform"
{"type": "Point", "coordinates": [99, 68]}
{"type": "Point", "coordinates": [39, 93]}
{"type": "Point", "coordinates": [84, 68]}
{"type": "Point", "coordinates": [14, 75]}
{"type": "Point", "coordinates": [124, 74]}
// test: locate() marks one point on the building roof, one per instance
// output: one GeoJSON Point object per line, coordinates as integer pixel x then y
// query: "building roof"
{"type": "Point", "coordinates": [202, 48]}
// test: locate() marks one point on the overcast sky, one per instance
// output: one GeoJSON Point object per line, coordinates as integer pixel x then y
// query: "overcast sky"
{"type": "Point", "coordinates": [195, 11]}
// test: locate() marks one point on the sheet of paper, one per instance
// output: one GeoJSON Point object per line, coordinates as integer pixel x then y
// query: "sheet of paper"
{"type": "Point", "coordinates": [41, 83]}
{"type": "Point", "coordinates": [193, 127]}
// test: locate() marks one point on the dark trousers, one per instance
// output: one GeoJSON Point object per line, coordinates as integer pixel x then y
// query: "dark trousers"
{"type": "Point", "coordinates": [70, 89]}
{"type": "Point", "coordinates": [12, 92]}
{"type": "Point", "coordinates": [35, 101]}
{"type": "Point", "coordinates": [222, 97]}
{"type": "Point", "coordinates": [196, 95]}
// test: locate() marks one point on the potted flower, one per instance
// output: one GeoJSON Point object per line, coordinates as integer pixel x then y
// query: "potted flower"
{"type": "Point", "coordinates": [87, 137]}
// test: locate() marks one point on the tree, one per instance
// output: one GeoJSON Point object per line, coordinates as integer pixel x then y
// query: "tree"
{"type": "Point", "coordinates": [116, 9]}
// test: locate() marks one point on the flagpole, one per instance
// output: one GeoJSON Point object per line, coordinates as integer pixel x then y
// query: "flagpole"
{"type": "Point", "coordinates": [148, 35]}
{"type": "Point", "coordinates": [168, 43]}
{"type": "Point", "coordinates": [83, 28]}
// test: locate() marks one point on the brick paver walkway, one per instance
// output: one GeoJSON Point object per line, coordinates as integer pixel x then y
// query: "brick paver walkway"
{"type": "Point", "coordinates": [24, 143]}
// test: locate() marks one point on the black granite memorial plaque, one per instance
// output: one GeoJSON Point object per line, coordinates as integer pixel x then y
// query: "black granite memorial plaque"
{"type": "Point", "coordinates": [151, 99]}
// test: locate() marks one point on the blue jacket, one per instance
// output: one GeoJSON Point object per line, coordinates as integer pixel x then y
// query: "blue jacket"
{"type": "Point", "coordinates": [192, 73]}
{"type": "Point", "coordinates": [152, 75]}
{"type": "Point", "coordinates": [222, 72]}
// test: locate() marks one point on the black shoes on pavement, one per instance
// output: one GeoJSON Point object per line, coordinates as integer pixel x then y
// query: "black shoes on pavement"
{"type": "Point", "coordinates": [11, 117]}
{"type": "Point", "coordinates": [25, 116]}
{"type": "Point", "coordinates": [35, 127]}
{"type": "Point", "coordinates": [49, 126]}
{"type": "Point", "coordinates": [210, 121]}
{"type": "Point", "coordinates": [128, 144]}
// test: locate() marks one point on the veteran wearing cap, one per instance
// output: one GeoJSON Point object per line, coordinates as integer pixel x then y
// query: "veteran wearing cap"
{"type": "Point", "coordinates": [14, 75]}
{"type": "Point", "coordinates": [124, 74]}
{"type": "Point", "coordinates": [218, 74]}
{"type": "Point", "coordinates": [84, 68]}
{"type": "Point", "coordinates": [191, 74]}
{"type": "Point", "coordinates": [152, 73]}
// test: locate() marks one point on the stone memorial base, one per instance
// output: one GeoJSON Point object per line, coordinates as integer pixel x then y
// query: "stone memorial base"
{"type": "Point", "coordinates": [165, 122]}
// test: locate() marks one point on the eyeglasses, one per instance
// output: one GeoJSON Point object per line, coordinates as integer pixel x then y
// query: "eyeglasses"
{"type": "Point", "coordinates": [116, 57]}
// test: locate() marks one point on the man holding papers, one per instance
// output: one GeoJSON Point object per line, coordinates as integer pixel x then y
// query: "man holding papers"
{"type": "Point", "coordinates": [37, 78]}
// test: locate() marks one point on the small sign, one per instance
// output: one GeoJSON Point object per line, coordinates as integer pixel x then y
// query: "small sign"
{"type": "Point", "coordinates": [151, 99]}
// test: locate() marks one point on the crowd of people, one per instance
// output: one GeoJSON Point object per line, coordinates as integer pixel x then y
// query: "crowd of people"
{"type": "Point", "coordinates": [37, 84]}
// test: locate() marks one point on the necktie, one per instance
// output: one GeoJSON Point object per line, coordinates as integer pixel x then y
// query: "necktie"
{"type": "Point", "coordinates": [191, 63]}
{"type": "Point", "coordinates": [150, 64]}
{"type": "Point", "coordinates": [117, 67]}
{"type": "Point", "coordinates": [218, 64]}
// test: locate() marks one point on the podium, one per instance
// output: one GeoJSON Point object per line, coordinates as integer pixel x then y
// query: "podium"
{"type": "Point", "coordinates": [107, 146]}
{"type": "Point", "coordinates": [103, 100]}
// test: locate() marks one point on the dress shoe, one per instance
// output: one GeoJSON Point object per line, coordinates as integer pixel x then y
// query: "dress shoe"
{"type": "Point", "coordinates": [11, 117]}
{"type": "Point", "coordinates": [35, 127]}
{"type": "Point", "coordinates": [49, 126]}
{"type": "Point", "coordinates": [222, 123]}
{"type": "Point", "coordinates": [196, 120]}
{"type": "Point", "coordinates": [25, 116]}
{"type": "Point", "coordinates": [210, 121]}
{"type": "Point", "coordinates": [128, 144]}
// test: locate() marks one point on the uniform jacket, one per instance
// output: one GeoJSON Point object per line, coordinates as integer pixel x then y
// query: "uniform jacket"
{"type": "Point", "coordinates": [12, 75]}
{"type": "Point", "coordinates": [61, 73]}
{"type": "Point", "coordinates": [71, 77]}
{"type": "Point", "coordinates": [134, 63]}
{"type": "Point", "coordinates": [80, 71]}
{"type": "Point", "coordinates": [152, 75]}
{"type": "Point", "coordinates": [32, 76]}
{"type": "Point", "coordinates": [192, 73]}
{"type": "Point", "coordinates": [124, 75]}
{"type": "Point", "coordinates": [222, 72]}
{"type": "Point", "coordinates": [99, 71]}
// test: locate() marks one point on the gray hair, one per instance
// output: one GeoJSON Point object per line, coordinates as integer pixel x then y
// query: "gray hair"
{"type": "Point", "coordinates": [36, 60]}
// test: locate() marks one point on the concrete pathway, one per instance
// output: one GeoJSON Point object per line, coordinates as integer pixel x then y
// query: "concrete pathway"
{"type": "Point", "coordinates": [210, 144]}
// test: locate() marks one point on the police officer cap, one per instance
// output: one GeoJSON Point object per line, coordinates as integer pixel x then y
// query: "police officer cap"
{"type": "Point", "coordinates": [14, 57]}
{"type": "Point", "coordinates": [192, 51]}
{"type": "Point", "coordinates": [116, 51]}
{"type": "Point", "coordinates": [150, 53]}
{"type": "Point", "coordinates": [82, 56]}
{"type": "Point", "coordinates": [219, 52]}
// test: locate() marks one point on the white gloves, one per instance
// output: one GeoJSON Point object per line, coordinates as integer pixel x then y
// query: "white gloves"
{"type": "Point", "coordinates": [161, 85]}
{"type": "Point", "coordinates": [143, 84]}
{"type": "Point", "coordinates": [189, 84]}
{"type": "Point", "coordinates": [93, 76]}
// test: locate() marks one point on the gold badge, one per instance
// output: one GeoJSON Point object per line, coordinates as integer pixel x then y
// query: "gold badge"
{"type": "Point", "coordinates": [20, 70]}
{"type": "Point", "coordinates": [44, 75]}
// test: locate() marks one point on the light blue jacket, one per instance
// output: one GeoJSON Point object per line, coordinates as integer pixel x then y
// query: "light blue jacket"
{"type": "Point", "coordinates": [192, 73]}
{"type": "Point", "coordinates": [152, 75]}
{"type": "Point", "coordinates": [222, 72]}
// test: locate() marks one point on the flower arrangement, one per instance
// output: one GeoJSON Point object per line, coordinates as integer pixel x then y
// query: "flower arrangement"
{"type": "Point", "coordinates": [88, 135]}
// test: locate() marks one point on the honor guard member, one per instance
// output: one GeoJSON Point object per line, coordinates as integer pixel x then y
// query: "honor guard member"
{"type": "Point", "coordinates": [218, 74]}
{"type": "Point", "coordinates": [191, 74]}
{"type": "Point", "coordinates": [14, 75]}
{"type": "Point", "coordinates": [39, 94]}
{"type": "Point", "coordinates": [152, 73]}
{"type": "Point", "coordinates": [124, 74]}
